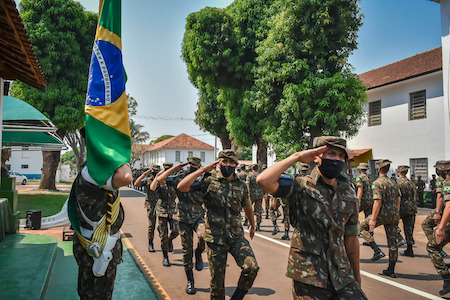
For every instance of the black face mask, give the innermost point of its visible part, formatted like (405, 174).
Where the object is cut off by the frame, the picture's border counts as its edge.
(191, 169)
(154, 173)
(331, 168)
(227, 170)
(442, 173)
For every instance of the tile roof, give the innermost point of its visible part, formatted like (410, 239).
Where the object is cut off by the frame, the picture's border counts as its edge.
(17, 58)
(355, 153)
(180, 141)
(414, 66)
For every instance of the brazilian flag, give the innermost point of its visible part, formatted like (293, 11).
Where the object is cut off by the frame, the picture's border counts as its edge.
(108, 143)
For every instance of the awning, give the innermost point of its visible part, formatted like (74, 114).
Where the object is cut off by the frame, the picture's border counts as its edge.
(31, 139)
(352, 154)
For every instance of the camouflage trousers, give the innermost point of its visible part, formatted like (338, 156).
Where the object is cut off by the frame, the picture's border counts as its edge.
(243, 254)
(391, 235)
(408, 228)
(151, 215)
(258, 210)
(276, 203)
(163, 229)
(434, 250)
(302, 291)
(90, 286)
(367, 211)
(428, 225)
(266, 200)
(187, 241)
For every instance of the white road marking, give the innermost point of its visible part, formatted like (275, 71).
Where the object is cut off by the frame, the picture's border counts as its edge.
(367, 274)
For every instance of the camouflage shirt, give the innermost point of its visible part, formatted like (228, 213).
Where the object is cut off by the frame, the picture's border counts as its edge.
(388, 191)
(241, 175)
(223, 201)
(365, 182)
(322, 217)
(190, 204)
(408, 203)
(256, 192)
(439, 186)
(152, 196)
(446, 190)
(166, 206)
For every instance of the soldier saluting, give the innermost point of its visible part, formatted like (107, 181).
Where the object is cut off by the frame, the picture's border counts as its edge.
(323, 208)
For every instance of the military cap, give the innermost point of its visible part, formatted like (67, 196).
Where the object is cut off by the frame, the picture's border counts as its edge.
(445, 165)
(363, 166)
(438, 164)
(303, 167)
(228, 153)
(382, 163)
(264, 166)
(332, 141)
(402, 168)
(157, 168)
(167, 165)
(253, 165)
(194, 161)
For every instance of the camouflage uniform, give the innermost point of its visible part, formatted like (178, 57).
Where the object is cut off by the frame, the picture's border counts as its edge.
(93, 201)
(224, 233)
(387, 190)
(166, 211)
(408, 207)
(256, 194)
(277, 202)
(366, 204)
(150, 205)
(191, 218)
(434, 249)
(428, 224)
(322, 217)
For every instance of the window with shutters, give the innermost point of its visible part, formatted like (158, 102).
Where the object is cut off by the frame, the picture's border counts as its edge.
(190, 153)
(202, 156)
(418, 105)
(375, 113)
(177, 156)
(419, 166)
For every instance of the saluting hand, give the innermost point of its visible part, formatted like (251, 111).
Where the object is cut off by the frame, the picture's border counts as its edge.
(180, 166)
(208, 168)
(307, 156)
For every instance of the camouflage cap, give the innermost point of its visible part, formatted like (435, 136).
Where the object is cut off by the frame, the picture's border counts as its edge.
(303, 167)
(167, 165)
(445, 165)
(363, 166)
(402, 168)
(228, 153)
(195, 161)
(157, 168)
(253, 165)
(332, 141)
(438, 164)
(264, 166)
(382, 163)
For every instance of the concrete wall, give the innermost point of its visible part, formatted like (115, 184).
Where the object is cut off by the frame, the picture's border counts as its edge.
(445, 37)
(19, 161)
(398, 138)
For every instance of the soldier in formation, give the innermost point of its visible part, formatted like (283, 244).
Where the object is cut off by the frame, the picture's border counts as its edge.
(332, 271)
(364, 190)
(224, 196)
(191, 217)
(166, 212)
(408, 208)
(442, 234)
(256, 194)
(145, 180)
(385, 211)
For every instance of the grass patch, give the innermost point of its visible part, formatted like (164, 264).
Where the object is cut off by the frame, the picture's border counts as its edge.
(33, 181)
(48, 204)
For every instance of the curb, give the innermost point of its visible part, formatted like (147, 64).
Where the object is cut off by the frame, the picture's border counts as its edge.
(151, 279)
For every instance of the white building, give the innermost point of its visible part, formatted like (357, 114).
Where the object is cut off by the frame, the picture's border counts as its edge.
(407, 116)
(175, 150)
(27, 161)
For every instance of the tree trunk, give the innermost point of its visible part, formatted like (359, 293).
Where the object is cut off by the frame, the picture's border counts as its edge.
(226, 142)
(49, 166)
(78, 145)
(261, 152)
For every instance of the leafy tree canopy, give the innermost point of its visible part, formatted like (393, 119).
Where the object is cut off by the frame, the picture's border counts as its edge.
(160, 139)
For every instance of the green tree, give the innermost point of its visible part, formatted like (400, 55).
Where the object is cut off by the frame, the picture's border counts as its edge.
(138, 136)
(161, 138)
(68, 158)
(132, 106)
(303, 74)
(62, 34)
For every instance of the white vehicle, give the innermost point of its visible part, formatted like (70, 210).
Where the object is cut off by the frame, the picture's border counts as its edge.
(19, 177)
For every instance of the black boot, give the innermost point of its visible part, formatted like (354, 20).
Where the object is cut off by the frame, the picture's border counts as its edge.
(286, 235)
(150, 246)
(198, 260)
(408, 252)
(443, 253)
(275, 228)
(446, 287)
(170, 245)
(258, 228)
(166, 262)
(190, 288)
(267, 214)
(401, 241)
(390, 270)
(238, 294)
(377, 253)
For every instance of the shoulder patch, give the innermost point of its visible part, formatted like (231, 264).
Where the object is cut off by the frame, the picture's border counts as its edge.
(447, 188)
(438, 183)
(358, 179)
(373, 186)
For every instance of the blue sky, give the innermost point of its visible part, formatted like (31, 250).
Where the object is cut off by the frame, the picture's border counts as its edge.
(152, 32)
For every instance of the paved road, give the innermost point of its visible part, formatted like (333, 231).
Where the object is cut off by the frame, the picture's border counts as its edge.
(417, 276)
